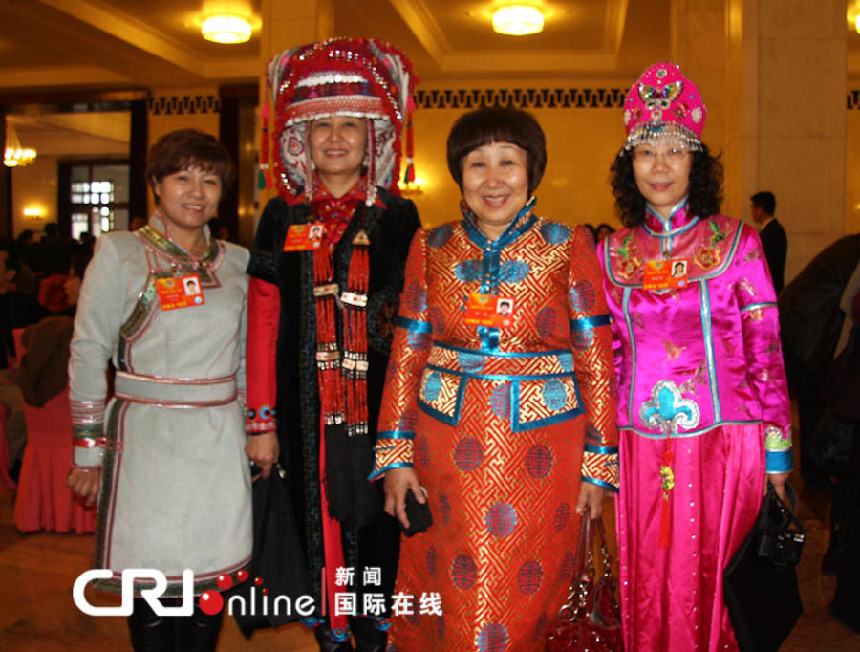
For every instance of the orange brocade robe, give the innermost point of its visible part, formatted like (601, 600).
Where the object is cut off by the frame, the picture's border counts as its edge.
(501, 425)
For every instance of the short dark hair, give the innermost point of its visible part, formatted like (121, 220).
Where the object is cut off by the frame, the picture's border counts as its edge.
(79, 264)
(189, 148)
(494, 124)
(704, 197)
(766, 200)
(12, 259)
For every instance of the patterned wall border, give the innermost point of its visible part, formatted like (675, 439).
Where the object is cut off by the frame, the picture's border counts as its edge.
(197, 104)
(528, 98)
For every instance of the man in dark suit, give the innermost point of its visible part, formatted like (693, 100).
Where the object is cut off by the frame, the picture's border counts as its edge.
(773, 240)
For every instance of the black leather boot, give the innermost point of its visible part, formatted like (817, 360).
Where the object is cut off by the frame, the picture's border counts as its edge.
(199, 632)
(149, 632)
(367, 637)
(322, 632)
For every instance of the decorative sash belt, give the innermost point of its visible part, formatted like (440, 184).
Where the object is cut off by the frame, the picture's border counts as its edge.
(175, 392)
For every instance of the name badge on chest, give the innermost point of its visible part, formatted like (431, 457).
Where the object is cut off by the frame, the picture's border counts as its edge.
(177, 292)
(489, 310)
(304, 237)
(669, 274)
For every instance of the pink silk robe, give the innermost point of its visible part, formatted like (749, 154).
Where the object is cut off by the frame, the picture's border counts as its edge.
(703, 363)
(501, 426)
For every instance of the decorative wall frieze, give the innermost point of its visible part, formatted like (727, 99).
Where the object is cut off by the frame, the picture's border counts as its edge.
(192, 105)
(522, 98)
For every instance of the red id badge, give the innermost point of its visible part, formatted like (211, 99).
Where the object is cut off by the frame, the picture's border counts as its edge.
(304, 237)
(177, 292)
(489, 310)
(669, 274)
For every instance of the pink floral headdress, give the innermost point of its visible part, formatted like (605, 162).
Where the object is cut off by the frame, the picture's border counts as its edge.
(661, 98)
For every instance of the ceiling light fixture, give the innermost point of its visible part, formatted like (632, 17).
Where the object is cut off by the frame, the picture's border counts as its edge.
(15, 155)
(517, 20)
(223, 28)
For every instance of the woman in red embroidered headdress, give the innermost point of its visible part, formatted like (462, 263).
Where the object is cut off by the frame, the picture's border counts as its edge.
(326, 270)
(702, 401)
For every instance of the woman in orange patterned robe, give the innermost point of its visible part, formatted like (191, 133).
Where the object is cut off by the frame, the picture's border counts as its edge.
(497, 403)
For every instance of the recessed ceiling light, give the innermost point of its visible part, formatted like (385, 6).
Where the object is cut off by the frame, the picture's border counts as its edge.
(517, 20)
(226, 29)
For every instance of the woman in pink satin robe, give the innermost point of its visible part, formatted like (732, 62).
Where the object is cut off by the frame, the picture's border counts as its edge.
(703, 411)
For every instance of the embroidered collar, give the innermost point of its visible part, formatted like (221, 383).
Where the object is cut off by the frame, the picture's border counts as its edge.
(320, 194)
(155, 237)
(522, 221)
(679, 220)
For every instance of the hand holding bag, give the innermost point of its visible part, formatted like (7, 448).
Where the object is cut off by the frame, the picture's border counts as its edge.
(760, 583)
(591, 619)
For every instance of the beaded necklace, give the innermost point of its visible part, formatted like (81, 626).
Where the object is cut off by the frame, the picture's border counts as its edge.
(342, 376)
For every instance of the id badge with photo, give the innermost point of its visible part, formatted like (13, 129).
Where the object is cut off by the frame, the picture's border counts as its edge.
(668, 274)
(176, 292)
(489, 310)
(304, 237)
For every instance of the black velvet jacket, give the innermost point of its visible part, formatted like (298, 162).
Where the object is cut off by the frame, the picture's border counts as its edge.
(390, 231)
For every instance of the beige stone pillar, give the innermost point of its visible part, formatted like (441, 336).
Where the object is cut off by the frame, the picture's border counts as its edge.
(795, 69)
(773, 74)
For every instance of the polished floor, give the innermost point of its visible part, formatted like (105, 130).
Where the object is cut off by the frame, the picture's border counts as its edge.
(37, 613)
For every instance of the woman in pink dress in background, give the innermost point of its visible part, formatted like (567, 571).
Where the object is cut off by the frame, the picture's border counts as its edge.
(703, 411)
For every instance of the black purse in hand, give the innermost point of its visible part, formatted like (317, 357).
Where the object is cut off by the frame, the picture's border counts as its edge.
(760, 583)
(419, 514)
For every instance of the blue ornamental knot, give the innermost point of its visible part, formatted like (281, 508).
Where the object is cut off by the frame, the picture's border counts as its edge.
(668, 410)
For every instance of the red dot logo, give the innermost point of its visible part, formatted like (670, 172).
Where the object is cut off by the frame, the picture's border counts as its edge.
(211, 603)
(242, 575)
(224, 582)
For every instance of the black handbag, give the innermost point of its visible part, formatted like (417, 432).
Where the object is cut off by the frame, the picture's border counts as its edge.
(760, 583)
(277, 559)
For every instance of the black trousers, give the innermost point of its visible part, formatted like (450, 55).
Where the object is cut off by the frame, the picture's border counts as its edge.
(846, 506)
(153, 633)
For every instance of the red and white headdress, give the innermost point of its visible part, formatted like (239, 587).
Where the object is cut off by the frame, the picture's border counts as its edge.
(354, 77)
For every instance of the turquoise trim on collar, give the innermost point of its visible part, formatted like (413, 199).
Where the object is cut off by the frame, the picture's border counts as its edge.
(666, 221)
(511, 233)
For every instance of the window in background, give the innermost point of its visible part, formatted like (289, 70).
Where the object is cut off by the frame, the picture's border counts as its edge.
(98, 196)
